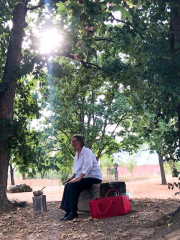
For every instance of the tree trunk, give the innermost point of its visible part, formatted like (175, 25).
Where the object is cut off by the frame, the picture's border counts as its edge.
(8, 84)
(23, 176)
(42, 174)
(12, 175)
(4, 163)
(163, 177)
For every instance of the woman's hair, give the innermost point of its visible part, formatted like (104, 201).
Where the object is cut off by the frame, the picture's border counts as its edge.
(80, 138)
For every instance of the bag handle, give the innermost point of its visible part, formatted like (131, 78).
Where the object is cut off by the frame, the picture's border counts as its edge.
(112, 190)
(100, 213)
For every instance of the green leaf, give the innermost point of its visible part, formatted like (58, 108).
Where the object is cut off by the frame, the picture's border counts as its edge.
(62, 8)
(74, 21)
(115, 8)
(72, 4)
(125, 14)
(100, 18)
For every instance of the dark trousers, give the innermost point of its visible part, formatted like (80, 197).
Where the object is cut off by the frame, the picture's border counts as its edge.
(72, 191)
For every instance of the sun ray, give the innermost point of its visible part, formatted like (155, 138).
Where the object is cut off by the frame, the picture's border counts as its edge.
(49, 40)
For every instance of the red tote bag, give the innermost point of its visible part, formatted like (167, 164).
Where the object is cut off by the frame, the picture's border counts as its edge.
(110, 206)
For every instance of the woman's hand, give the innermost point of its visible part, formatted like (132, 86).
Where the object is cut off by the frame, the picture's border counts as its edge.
(69, 179)
(76, 180)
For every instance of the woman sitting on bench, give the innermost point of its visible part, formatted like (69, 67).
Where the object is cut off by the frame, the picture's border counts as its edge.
(86, 173)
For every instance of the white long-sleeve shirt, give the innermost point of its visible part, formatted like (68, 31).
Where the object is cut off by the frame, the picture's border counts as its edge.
(87, 164)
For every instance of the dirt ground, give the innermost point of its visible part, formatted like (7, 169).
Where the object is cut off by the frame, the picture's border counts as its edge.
(151, 204)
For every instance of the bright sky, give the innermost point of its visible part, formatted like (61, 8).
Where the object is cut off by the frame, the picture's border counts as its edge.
(143, 156)
(49, 40)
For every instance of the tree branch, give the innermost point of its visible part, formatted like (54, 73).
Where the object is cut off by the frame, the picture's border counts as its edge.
(87, 65)
(36, 7)
(115, 19)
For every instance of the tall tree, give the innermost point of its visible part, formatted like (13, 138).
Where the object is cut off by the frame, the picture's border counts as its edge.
(11, 52)
(175, 41)
(89, 106)
(8, 85)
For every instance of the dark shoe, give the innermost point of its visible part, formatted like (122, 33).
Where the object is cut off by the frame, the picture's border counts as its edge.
(66, 214)
(71, 216)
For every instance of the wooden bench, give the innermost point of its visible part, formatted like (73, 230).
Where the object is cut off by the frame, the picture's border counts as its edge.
(97, 191)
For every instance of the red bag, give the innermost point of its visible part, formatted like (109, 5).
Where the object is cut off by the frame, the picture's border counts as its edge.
(110, 206)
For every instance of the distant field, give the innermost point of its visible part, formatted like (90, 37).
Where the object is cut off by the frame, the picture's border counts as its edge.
(148, 188)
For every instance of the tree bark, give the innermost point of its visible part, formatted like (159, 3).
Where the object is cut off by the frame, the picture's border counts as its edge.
(23, 176)
(163, 177)
(42, 174)
(4, 162)
(12, 175)
(9, 80)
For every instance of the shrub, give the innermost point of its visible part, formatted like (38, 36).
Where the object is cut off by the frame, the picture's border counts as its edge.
(177, 185)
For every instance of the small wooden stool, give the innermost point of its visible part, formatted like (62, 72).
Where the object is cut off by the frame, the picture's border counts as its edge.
(39, 204)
